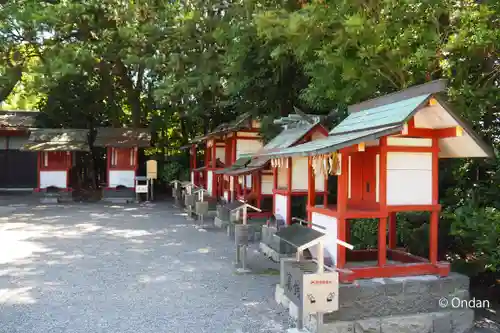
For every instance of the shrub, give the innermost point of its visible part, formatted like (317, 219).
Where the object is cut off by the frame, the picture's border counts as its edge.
(478, 230)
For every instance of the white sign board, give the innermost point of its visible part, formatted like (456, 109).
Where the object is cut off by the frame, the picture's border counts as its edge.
(141, 189)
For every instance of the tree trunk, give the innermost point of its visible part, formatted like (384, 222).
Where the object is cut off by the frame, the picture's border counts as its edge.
(14, 75)
(108, 93)
(133, 95)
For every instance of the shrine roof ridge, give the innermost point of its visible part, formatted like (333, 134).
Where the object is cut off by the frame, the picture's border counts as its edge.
(433, 87)
(122, 137)
(57, 139)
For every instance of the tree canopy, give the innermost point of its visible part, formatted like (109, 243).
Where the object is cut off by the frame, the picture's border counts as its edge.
(183, 67)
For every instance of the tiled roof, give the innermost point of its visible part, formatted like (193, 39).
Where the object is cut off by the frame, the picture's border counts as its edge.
(57, 139)
(17, 119)
(239, 163)
(288, 137)
(334, 142)
(122, 137)
(385, 115)
(241, 122)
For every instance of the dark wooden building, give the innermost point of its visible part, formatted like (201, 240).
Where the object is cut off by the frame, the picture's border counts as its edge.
(18, 168)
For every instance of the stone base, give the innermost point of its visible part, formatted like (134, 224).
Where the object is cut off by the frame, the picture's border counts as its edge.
(220, 223)
(296, 330)
(397, 305)
(272, 253)
(54, 197)
(119, 196)
(206, 218)
(453, 321)
(254, 232)
(118, 200)
(6, 211)
(49, 200)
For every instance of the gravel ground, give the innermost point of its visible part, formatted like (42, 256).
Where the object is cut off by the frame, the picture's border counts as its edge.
(96, 268)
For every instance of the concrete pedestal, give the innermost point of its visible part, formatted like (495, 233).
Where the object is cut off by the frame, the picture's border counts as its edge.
(119, 195)
(254, 231)
(397, 305)
(272, 254)
(218, 223)
(6, 211)
(54, 197)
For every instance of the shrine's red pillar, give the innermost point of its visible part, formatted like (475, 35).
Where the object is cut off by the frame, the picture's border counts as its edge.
(382, 227)
(325, 191)
(275, 187)
(392, 231)
(342, 185)
(289, 194)
(258, 186)
(310, 188)
(434, 221)
(207, 166)
(214, 166)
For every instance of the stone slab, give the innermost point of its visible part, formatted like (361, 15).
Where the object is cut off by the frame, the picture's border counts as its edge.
(433, 322)
(254, 232)
(296, 330)
(271, 253)
(408, 296)
(120, 193)
(49, 200)
(117, 200)
(5, 211)
(397, 296)
(280, 298)
(220, 223)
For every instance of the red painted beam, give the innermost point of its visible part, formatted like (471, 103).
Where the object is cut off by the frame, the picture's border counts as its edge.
(441, 269)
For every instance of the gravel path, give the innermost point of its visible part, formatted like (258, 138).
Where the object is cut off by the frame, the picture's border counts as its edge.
(96, 268)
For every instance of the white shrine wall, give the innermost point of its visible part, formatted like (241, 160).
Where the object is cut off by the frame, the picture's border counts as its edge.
(53, 178)
(121, 178)
(409, 178)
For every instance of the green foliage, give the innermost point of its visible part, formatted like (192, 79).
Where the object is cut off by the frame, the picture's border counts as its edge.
(479, 230)
(182, 68)
(364, 233)
(174, 169)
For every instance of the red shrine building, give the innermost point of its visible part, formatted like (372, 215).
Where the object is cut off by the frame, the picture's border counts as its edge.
(56, 149)
(122, 157)
(385, 156)
(222, 148)
(280, 182)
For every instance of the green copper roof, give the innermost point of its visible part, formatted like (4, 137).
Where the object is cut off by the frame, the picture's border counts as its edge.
(334, 142)
(239, 163)
(285, 139)
(289, 136)
(385, 115)
(242, 171)
(364, 125)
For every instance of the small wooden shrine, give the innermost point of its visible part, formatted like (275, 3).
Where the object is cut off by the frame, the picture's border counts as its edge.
(122, 156)
(56, 150)
(261, 179)
(223, 147)
(386, 158)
